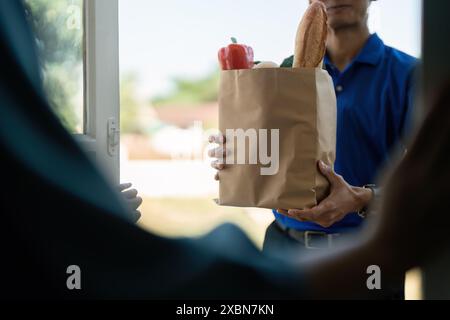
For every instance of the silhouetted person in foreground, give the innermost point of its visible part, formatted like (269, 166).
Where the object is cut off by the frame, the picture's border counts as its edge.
(57, 210)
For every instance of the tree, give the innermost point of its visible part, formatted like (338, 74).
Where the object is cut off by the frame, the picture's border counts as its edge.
(59, 38)
(129, 106)
(188, 91)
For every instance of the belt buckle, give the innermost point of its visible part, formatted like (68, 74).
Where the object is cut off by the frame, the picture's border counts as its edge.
(308, 235)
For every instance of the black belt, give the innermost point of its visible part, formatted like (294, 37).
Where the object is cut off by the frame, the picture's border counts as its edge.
(312, 240)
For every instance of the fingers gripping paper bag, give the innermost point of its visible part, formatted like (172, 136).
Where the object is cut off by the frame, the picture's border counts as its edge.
(278, 123)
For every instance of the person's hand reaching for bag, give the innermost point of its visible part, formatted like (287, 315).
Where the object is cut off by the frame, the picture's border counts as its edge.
(132, 200)
(218, 153)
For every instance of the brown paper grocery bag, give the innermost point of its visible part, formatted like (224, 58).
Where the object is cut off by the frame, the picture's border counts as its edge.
(301, 105)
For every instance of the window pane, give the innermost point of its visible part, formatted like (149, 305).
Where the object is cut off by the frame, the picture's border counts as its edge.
(58, 26)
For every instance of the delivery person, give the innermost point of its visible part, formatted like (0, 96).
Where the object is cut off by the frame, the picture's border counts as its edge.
(373, 84)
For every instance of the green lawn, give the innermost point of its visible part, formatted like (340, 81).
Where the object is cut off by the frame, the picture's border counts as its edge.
(175, 217)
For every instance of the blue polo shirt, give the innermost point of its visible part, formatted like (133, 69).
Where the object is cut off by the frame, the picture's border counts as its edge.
(374, 104)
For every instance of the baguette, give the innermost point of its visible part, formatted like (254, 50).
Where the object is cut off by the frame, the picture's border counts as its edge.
(310, 46)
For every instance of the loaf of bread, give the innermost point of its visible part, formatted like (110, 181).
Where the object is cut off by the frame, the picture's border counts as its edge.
(310, 45)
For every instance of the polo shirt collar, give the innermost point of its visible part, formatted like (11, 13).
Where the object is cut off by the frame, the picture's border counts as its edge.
(371, 53)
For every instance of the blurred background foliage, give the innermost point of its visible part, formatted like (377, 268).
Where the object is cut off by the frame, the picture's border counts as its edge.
(129, 104)
(191, 91)
(57, 25)
(58, 28)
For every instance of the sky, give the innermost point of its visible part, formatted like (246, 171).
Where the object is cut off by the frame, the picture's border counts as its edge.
(161, 40)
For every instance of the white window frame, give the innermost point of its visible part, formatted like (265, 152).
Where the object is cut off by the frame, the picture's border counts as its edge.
(101, 92)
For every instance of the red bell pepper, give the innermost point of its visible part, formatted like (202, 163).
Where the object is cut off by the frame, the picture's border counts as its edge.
(236, 56)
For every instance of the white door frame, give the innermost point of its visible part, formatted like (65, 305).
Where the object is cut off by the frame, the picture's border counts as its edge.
(101, 93)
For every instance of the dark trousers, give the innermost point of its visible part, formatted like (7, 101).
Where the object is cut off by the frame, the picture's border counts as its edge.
(278, 241)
